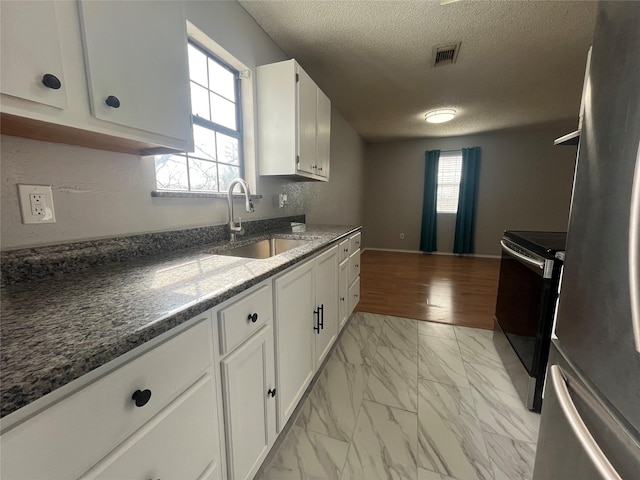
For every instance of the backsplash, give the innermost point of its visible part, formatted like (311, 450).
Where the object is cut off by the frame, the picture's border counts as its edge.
(43, 262)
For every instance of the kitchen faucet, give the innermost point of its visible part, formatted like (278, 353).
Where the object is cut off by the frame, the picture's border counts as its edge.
(233, 228)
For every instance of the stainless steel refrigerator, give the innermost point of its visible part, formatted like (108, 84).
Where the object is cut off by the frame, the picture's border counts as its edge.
(590, 425)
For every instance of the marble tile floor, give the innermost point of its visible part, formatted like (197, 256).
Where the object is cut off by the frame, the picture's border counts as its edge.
(406, 399)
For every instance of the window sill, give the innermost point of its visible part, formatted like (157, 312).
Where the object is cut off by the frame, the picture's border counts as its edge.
(177, 194)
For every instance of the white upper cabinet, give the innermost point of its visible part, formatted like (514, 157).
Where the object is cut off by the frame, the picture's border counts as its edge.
(323, 136)
(136, 63)
(294, 123)
(27, 72)
(121, 68)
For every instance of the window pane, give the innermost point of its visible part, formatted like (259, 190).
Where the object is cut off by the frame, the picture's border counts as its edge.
(228, 149)
(202, 174)
(171, 172)
(448, 198)
(221, 80)
(227, 174)
(449, 173)
(205, 142)
(197, 65)
(199, 101)
(223, 112)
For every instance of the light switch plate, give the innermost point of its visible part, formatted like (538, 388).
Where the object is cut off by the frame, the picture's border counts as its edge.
(36, 204)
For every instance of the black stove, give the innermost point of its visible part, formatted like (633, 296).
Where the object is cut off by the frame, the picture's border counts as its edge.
(527, 295)
(546, 244)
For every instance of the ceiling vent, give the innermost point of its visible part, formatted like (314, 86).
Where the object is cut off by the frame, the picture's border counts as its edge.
(445, 54)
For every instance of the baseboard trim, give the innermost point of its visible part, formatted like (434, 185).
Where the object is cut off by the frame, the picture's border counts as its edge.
(431, 253)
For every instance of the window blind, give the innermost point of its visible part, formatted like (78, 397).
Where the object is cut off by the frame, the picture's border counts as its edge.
(449, 172)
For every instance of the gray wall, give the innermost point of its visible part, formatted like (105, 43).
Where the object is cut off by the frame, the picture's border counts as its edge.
(100, 194)
(524, 184)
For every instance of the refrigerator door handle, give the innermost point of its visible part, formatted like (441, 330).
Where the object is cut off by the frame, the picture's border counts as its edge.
(590, 446)
(634, 254)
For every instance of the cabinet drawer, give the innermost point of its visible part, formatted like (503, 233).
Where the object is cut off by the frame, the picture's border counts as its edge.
(177, 443)
(354, 295)
(344, 249)
(356, 240)
(72, 435)
(354, 266)
(243, 318)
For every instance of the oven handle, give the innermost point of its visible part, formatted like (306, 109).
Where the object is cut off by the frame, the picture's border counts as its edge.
(530, 261)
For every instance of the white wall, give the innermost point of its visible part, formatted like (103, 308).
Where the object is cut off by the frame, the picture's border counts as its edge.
(524, 183)
(100, 194)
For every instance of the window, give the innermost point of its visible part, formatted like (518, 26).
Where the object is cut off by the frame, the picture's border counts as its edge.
(449, 173)
(217, 130)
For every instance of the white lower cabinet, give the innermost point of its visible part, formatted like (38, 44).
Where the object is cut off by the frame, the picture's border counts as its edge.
(67, 439)
(176, 443)
(326, 328)
(249, 391)
(343, 293)
(353, 275)
(306, 319)
(294, 322)
(354, 295)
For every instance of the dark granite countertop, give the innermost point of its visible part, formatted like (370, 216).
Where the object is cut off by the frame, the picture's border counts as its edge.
(55, 330)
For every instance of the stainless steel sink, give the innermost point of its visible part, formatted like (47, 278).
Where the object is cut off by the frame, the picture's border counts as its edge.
(264, 248)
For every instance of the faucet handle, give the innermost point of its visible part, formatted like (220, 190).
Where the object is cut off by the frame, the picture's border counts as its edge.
(251, 209)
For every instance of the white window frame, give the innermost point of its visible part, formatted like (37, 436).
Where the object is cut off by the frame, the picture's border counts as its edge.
(448, 157)
(246, 101)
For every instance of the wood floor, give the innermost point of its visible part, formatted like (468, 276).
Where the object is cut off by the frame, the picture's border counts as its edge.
(439, 288)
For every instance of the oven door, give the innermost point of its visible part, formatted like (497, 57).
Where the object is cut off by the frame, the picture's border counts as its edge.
(523, 304)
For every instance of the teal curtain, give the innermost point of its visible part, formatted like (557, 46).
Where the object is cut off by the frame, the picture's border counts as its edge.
(428, 233)
(465, 220)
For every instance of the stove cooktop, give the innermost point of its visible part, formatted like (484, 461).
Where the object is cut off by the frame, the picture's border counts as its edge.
(542, 243)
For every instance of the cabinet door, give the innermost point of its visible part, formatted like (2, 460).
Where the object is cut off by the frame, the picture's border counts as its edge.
(248, 381)
(323, 137)
(30, 48)
(307, 107)
(295, 361)
(354, 295)
(354, 266)
(137, 52)
(343, 293)
(326, 302)
(179, 442)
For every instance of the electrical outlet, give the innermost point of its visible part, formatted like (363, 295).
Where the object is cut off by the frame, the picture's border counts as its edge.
(36, 204)
(402, 236)
(36, 201)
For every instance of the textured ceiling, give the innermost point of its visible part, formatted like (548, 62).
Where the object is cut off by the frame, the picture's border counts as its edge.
(520, 63)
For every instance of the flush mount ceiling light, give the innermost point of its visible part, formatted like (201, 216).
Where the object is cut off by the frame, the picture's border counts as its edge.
(440, 116)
